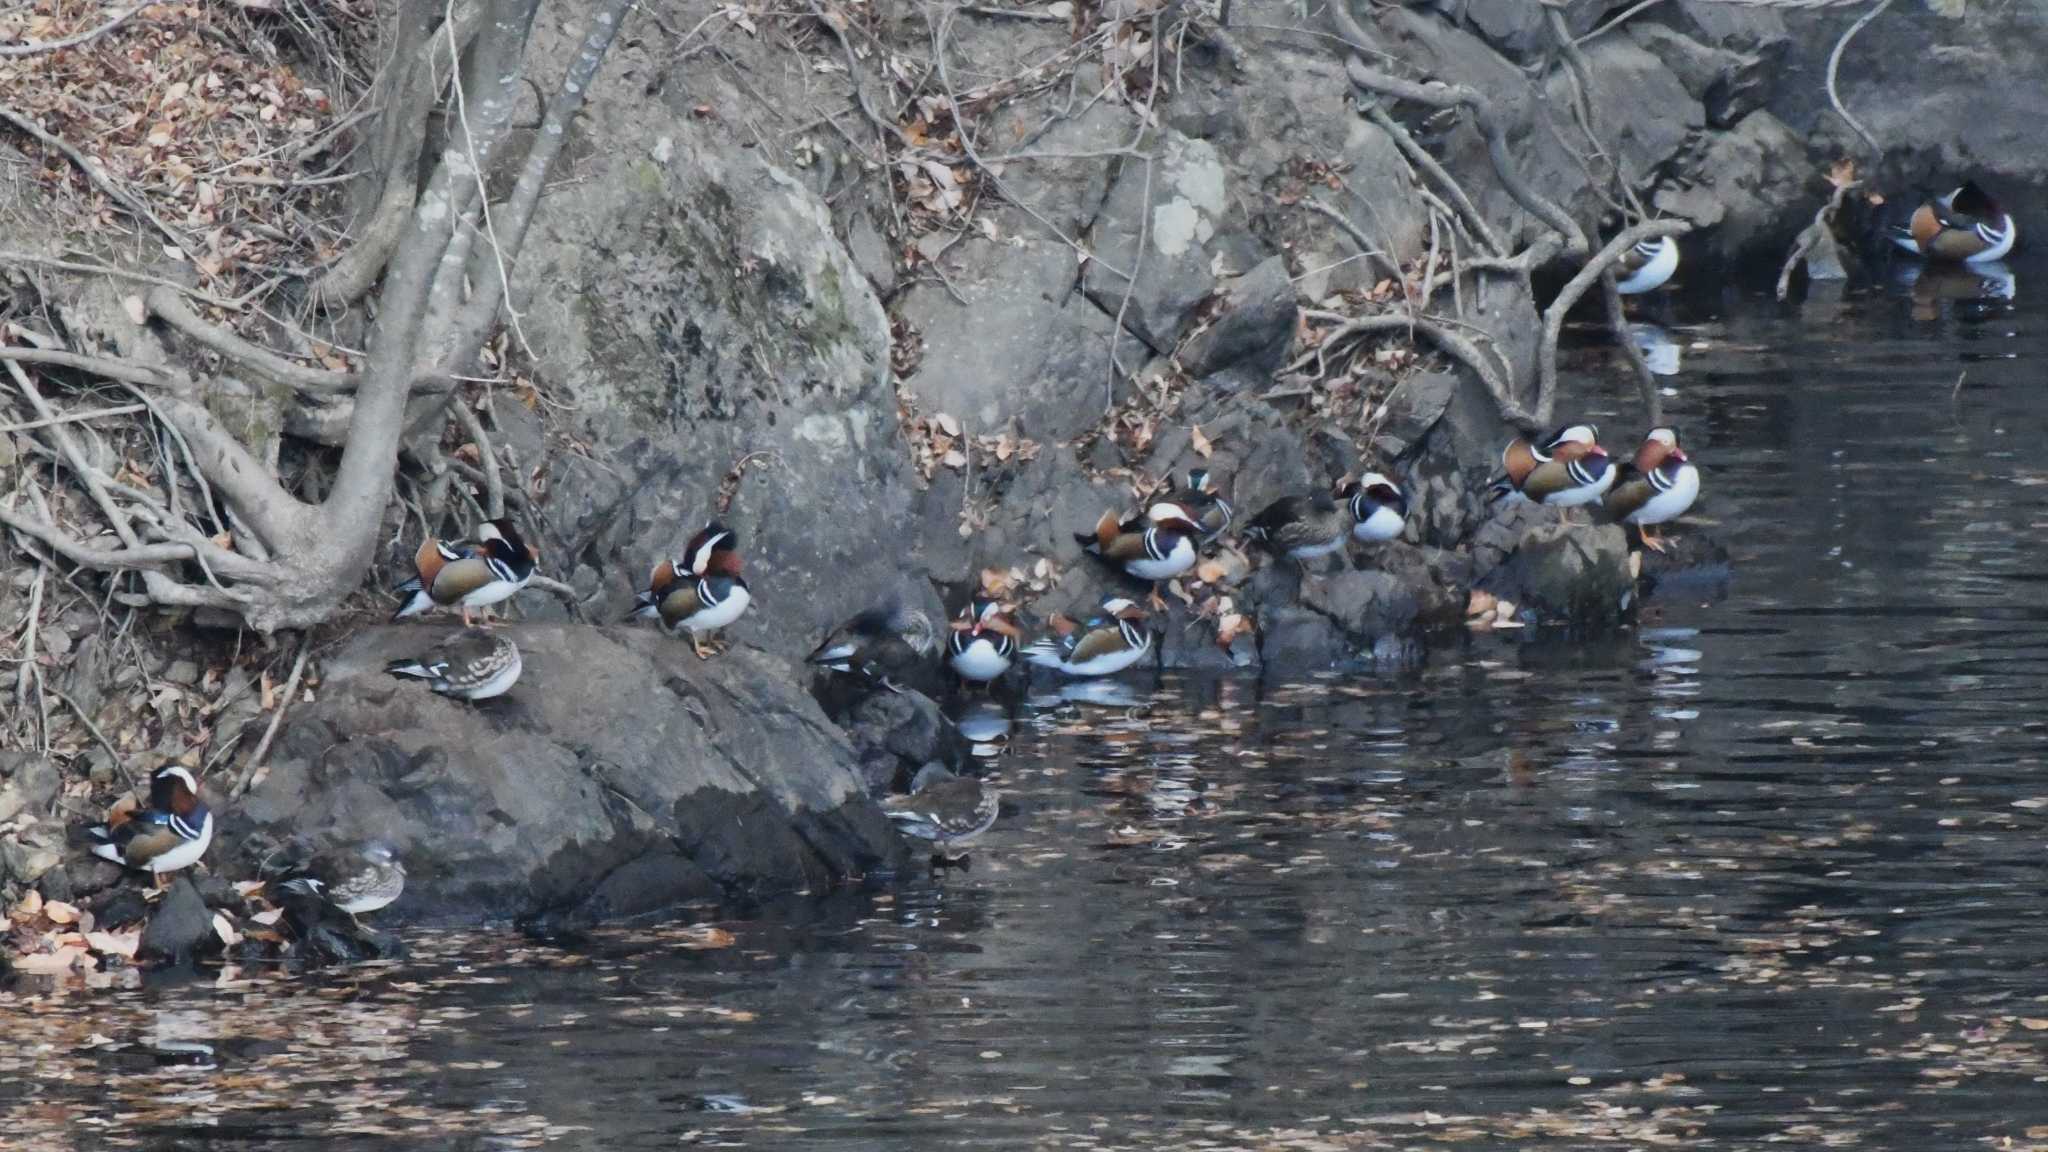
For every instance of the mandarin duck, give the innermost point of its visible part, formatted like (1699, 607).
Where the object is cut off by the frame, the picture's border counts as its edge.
(1302, 528)
(1656, 487)
(983, 643)
(1200, 496)
(1379, 508)
(1104, 646)
(950, 812)
(699, 591)
(887, 644)
(1965, 225)
(469, 574)
(1156, 547)
(470, 665)
(1568, 469)
(357, 881)
(1646, 266)
(168, 834)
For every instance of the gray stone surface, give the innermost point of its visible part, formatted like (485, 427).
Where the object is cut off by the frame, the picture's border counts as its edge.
(1562, 572)
(618, 749)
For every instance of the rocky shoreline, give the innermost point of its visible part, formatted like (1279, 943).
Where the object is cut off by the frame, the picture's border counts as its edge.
(912, 378)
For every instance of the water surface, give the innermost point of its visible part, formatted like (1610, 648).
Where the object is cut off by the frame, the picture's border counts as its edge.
(1762, 870)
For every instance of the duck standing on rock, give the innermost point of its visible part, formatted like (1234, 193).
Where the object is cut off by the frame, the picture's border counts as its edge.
(888, 644)
(1103, 646)
(1302, 528)
(1201, 497)
(951, 812)
(471, 665)
(1568, 469)
(469, 575)
(366, 879)
(1656, 487)
(170, 834)
(700, 591)
(1157, 547)
(983, 643)
(1966, 225)
(1646, 266)
(1379, 508)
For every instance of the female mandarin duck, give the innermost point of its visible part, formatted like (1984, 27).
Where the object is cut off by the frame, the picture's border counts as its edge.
(1379, 508)
(1655, 488)
(170, 833)
(949, 811)
(1302, 528)
(1103, 646)
(357, 881)
(468, 575)
(1965, 225)
(1157, 547)
(470, 665)
(699, 591)
(1568, 469)
(983, 643)
(1646, 266)
(888, 644)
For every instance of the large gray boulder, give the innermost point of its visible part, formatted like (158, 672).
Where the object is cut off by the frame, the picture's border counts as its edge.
(620, 775)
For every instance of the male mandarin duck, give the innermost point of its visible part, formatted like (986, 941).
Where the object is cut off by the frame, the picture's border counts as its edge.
(1567, 470)
(468, 575)
(1157, 547)
(1965, 225)
(888, 644)
(1656, 487)
(170, 833)
(949, 811)
(699, 591)
(357, 881)
(1379, 508)
(984, 641)
(1201, 497)
(1646, 266)
(1103, 646)
(471, 665)
(1302, 527)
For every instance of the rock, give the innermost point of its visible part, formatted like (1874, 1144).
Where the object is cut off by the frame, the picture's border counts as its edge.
(1742, 27)
(703, 312)
(179, 928)
(617, 747)
(1250, 334)
(27, 854)
(1567, 573)
(1188, 238)
(1295, 638)
(122, 906)
(1516, 28)
(895, 733)
(1752, 189)
(1730, 85)
(864, 243)
(1447, 468)
(1643, 112)
(30, 784)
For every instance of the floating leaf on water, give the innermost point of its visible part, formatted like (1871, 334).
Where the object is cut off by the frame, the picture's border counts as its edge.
(2031, 803)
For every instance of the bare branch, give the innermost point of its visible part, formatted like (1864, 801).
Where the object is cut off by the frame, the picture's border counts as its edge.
(1646, 381)
(413, 95)
(7, 257)
(251, 770)
(1357, 234)
(256, 360)
(1498, 379)
(1553, 317)
(494, 484)
(1835, 64)
(1427, 164)
(511, 224)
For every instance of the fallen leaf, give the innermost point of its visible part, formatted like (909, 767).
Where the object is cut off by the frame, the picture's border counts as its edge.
(136, 310)
(1481, 604)
(30, 907)
(947, 424)
(1199, 442)
(268, 916)
(58, 912)
(956, 460)
(2034, 1024)
(121, 944)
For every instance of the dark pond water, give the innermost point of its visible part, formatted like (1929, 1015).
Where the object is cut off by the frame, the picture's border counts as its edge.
(1764, 870)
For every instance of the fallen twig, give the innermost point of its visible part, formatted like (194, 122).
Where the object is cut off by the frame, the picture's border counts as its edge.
(74, 417)
(87, 37)
(1498, 379)
(113, 753)
(254, 767)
